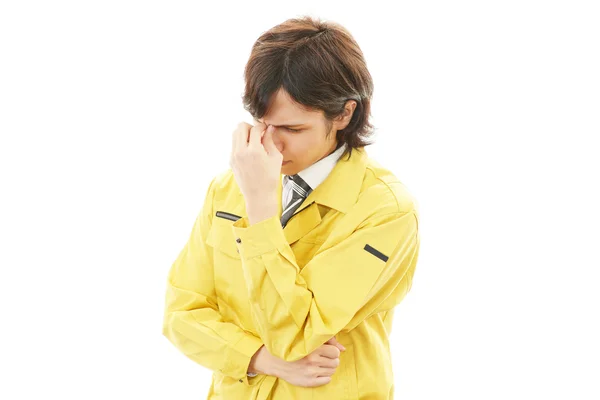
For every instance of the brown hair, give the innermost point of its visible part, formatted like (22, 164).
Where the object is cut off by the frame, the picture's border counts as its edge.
(321, 67)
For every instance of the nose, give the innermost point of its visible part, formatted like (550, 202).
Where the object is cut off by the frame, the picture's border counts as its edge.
(277, 140)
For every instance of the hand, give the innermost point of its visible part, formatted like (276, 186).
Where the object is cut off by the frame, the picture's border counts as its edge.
(316, 368)
(311, 371)
(256, 162)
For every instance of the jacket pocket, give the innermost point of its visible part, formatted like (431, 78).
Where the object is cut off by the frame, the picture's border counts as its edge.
(227, 266)
(220, 236)
(226, 215)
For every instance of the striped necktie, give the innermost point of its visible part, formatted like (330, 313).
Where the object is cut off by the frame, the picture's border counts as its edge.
(300, 190)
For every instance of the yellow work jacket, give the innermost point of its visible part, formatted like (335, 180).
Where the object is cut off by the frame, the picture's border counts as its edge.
(339, 267)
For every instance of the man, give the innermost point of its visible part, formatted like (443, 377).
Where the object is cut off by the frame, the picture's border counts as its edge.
(287, 284)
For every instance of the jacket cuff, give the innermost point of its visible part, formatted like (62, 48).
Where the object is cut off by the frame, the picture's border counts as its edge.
(260, 238)
(237, 358)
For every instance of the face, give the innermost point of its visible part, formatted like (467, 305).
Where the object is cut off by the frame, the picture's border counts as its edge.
(300, 135)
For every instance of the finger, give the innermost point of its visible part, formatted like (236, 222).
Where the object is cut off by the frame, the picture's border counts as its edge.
(326, 372)
(240, 137)
(339, 345)
(256, 134)
(333, 341)
(321, 380)
(325, 362)
(329, 351)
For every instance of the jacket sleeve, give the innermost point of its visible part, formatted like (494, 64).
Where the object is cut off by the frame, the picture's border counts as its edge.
(367, 271)
(192, 321)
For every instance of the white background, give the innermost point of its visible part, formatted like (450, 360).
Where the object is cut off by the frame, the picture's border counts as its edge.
(115, 116)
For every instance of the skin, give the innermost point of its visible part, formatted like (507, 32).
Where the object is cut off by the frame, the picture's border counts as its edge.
(258, 151)
(287, 132)
(313, 370)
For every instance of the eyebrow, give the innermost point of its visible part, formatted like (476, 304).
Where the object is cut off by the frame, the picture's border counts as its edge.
(288, 126)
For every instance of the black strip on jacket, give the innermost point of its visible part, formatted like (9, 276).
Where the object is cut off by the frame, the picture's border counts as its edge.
(376, 253)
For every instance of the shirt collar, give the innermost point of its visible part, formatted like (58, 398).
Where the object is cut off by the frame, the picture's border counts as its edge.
(315, 174)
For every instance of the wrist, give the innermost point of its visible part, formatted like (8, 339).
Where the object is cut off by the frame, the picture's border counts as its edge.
(255, 362)
(261, 210)
(265, 363)
(277, 367)
(259, 363)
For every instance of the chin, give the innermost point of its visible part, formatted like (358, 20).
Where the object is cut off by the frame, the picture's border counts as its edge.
(286, 170)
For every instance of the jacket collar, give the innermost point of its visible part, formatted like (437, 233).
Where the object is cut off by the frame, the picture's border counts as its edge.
(339, 191)
(342, 186)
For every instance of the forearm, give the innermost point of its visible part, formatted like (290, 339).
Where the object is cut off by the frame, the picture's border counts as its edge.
(195, 326)
(230, 348)
(295, 311)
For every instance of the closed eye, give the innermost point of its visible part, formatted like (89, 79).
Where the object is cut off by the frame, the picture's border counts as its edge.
(293, 130)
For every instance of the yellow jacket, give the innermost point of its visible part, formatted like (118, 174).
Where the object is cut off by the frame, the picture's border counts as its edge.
(338, 268)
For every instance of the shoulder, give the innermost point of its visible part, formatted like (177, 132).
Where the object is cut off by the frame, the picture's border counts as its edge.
(223, 184)
(383, 192)
(382, 200)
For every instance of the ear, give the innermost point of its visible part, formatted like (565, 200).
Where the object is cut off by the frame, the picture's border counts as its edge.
(343, 120)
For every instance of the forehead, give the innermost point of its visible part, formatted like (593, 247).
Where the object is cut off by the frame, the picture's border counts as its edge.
(284, 111)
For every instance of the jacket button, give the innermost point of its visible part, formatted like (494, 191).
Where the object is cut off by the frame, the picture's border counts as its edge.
(241, 381)
(238, 240)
